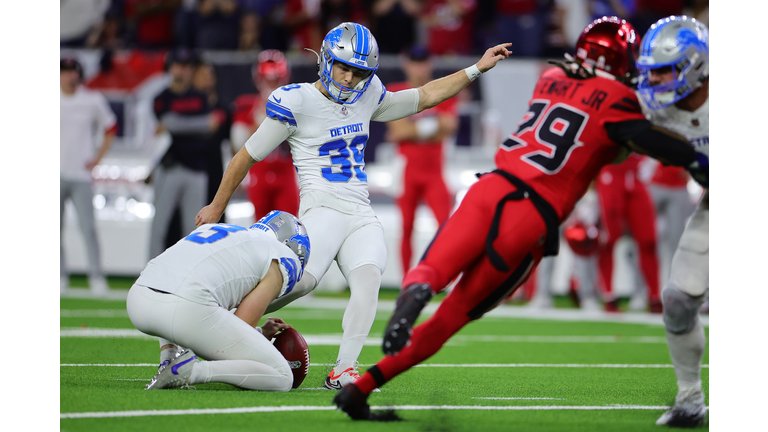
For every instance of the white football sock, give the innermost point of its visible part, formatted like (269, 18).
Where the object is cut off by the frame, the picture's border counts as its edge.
(687, 351)
(168, 353)
(364, 283)
(246, 374)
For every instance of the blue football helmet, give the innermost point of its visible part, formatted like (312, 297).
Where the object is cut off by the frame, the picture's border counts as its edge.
(354, 45)
(289, 231)
(679, 42)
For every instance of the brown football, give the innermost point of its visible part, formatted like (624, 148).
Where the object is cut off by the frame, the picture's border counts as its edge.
(293, 347)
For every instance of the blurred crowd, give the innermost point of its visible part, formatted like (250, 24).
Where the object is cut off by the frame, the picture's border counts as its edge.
(537, 28)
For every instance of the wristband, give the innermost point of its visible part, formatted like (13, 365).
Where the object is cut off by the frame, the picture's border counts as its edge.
(472, 72)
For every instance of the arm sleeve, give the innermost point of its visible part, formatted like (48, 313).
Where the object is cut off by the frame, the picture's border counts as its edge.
(185, 124)
(397, 105)
(642, 137)
(267, 137)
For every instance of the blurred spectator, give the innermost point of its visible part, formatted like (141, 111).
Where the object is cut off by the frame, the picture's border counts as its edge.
(204, 80)
(273, 33)
(523, 23)
(556, 44)
(181, 179)
(450, 26)
(272, 183)
(248, 38)
(573, 16)
(78, 18)
(621, 8)
(698, 9)
(335, 12)
(648, 12)
(109, 34)
(302, 21)
(217, 25)
(420, 140)
(150, 23)
(393, 22)
(85, 119)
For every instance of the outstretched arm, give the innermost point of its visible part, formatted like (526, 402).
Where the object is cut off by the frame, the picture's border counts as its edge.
(446, 87)
(233, 176)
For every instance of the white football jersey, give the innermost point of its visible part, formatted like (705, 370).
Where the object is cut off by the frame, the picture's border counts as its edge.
(328, 139)
(692, 125)
(221, 263)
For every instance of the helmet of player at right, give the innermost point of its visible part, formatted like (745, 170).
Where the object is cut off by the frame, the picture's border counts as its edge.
(609, 44)
(354, 45)
(270, 71)
(682, 44)
(288, 231)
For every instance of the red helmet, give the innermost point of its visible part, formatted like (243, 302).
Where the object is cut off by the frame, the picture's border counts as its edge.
(609, 44)
(581, 239)
(271, 65)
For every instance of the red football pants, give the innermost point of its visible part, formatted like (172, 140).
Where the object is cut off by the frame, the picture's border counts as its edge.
(417, 186)
(458, 247)
(273, 186)
(625, 201)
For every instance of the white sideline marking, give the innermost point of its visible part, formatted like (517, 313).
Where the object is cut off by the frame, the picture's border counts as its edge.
(439, 365)
(262, 409)
(335, 339)
(517, 398)
(93, 313)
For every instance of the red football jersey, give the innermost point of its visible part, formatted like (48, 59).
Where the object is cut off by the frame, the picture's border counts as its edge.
(424, 155)
(562, 142)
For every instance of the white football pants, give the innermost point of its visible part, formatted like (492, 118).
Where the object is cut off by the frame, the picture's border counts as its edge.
(237, 354)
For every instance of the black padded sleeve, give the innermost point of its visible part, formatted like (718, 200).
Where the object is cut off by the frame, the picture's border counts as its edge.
(642, 137)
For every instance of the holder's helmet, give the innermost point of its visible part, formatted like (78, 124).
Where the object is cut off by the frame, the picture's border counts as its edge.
(289, 231)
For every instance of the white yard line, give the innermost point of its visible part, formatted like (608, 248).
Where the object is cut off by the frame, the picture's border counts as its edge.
(437, 365)
(517, 398)
(263, 409)
(335, 339)
(314, 304)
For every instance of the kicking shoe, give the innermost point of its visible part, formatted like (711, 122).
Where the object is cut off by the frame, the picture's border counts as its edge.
(689, 410)
(176, 374)
(337, 382)
(407, 309)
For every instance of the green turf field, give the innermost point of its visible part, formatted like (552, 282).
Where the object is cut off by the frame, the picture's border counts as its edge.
(501, 373)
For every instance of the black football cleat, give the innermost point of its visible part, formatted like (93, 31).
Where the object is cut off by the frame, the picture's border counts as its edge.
(353, 402)
(407, 309)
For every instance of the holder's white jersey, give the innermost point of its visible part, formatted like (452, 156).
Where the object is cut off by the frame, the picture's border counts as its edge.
(219, 264)
(328, 139)
(692, 125)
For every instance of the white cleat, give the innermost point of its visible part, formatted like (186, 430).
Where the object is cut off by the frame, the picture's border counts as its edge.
(689, 410)
(638, 303)
(540, 302)
(176, 374)
(98, 286)
(589, 304)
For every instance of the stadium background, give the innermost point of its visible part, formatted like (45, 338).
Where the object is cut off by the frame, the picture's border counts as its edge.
(122, 52)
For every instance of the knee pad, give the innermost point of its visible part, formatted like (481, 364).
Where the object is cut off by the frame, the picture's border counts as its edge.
(680, 309)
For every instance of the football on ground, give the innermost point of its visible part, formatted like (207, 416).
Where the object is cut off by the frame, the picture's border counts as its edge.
(293, 347)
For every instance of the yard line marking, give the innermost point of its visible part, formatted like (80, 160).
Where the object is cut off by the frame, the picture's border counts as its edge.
(335, 339)
(438, 365)
(502, 311)
(262, 409)
(136, 379)
(517, 398)
(93, 313)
